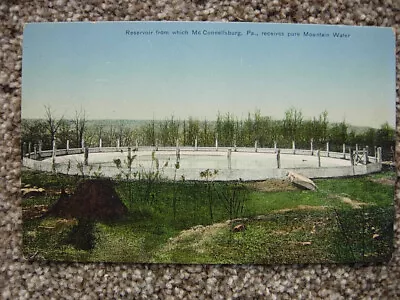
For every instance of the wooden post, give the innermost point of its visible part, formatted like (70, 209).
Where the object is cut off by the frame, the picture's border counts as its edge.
(278, 158)
(312, 146)
(327, 149)
(216, 144)
(357, 150)
(54, 148)
(351, 156)
(344, 151)
(379, 155)
(100, 143)
(376, 153)
(365, 156)
(86, 157)
(40, 149)
(54, 155)
(229, 158)
(29, 149)
(67, 146)
(195, 144)
(255, 146)
(319, 158)
(294, 147)
(129, 153)
(35, 151)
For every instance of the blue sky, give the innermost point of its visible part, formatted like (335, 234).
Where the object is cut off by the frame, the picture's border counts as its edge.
(112, 75)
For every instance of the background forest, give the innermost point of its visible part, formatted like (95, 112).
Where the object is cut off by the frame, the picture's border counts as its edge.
(228, 128)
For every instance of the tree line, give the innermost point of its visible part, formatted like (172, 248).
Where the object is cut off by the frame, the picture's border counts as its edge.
(228, 129)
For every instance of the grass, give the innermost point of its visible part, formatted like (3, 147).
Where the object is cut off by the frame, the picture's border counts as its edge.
(282, 226)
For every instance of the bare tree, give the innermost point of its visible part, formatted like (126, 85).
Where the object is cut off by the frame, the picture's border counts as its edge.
(52, 124)
(80, 126)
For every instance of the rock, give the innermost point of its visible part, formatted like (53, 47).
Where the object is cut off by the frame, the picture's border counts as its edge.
(305, 243)
(32, 192)
(301, 181)
(376, 236)
(239, 227)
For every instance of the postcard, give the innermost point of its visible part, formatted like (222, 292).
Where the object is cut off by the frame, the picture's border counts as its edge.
(207, 143)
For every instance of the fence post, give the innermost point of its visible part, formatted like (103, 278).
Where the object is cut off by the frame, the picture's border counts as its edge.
(86, 157)
(229, 158)
(40, 149)
(357, 150)
(35, 150)
(54, 148)
(312, 146)
(29, 149)
(351, 156)
(379, 154)
(67, 146)
(327, 149)
(319, 158)
(195, 144)
(294, 147)
(278, 158)
(118, 144)
(255, 146)
(344, 151)
(366, 154)
(100, 143)
(216, 144)
(129, 153)
(54, 155)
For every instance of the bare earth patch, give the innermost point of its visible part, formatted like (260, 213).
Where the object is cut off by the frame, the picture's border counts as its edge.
(300, 207)
(34, 211)
(273, 185)
(384, 181)
(199, 234)
(353, 203)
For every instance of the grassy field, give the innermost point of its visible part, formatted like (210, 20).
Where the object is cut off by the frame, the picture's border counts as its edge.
(345, 220)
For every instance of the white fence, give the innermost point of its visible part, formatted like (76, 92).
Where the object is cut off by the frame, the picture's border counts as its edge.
(358, 166)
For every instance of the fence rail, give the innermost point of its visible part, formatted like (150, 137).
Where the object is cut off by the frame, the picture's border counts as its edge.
(360, 163)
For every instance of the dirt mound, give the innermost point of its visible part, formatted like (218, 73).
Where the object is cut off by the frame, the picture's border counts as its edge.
(93, 199)
(273, 185)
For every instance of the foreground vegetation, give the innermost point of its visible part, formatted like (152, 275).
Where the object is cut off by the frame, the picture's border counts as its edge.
(345, 220)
